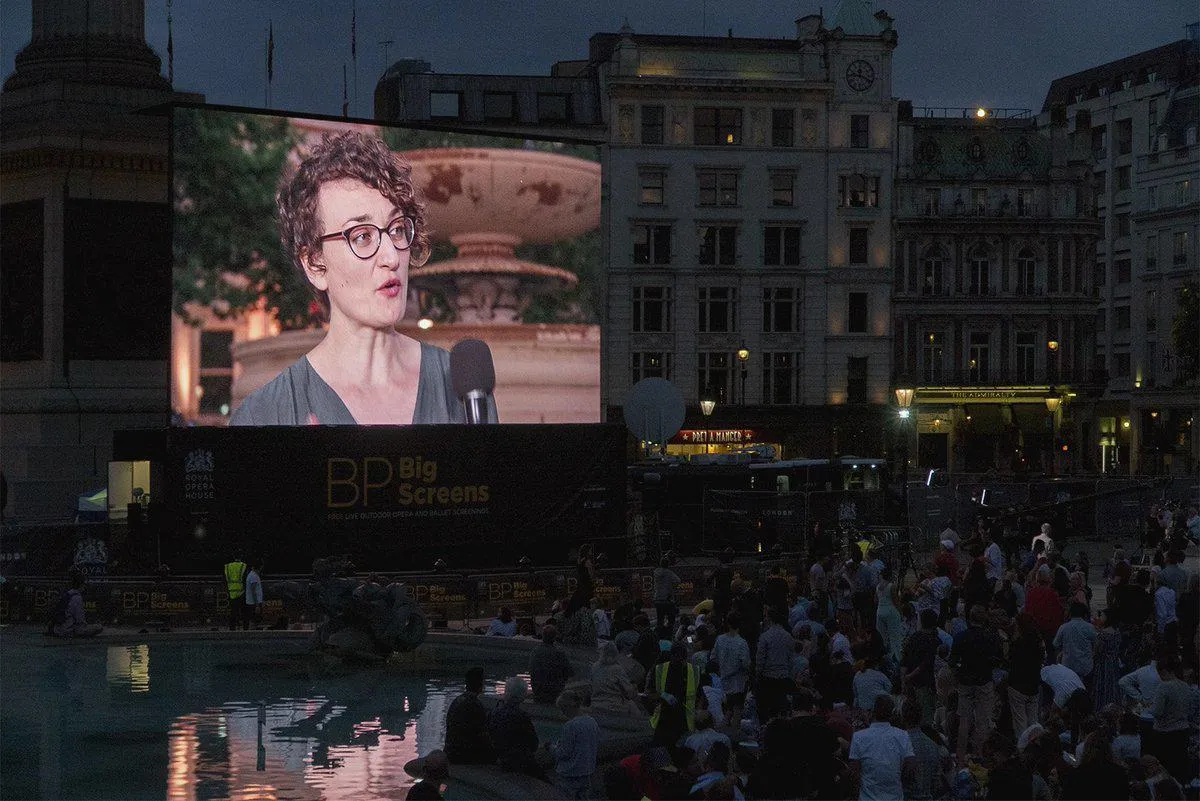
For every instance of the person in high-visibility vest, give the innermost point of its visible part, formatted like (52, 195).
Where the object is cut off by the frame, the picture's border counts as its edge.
(675, 683)
(235, 584)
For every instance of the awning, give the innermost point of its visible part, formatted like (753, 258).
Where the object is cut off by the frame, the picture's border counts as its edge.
(1031, 418)
(986, 418)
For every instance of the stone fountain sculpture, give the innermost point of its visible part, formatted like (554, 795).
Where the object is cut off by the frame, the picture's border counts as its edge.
(359, 618)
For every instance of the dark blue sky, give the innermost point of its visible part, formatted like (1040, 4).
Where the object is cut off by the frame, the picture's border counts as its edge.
(951, 52)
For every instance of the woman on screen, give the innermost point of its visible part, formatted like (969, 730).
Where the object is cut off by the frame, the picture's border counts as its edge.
(351, 220)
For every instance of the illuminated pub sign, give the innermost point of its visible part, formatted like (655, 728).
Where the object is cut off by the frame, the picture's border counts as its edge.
(713, 436)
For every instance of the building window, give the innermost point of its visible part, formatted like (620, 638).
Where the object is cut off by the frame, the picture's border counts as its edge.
(717, 244)
(1024, 202)
(652, 125)
(780, 374)
(1183, 192)
(651, 244)
(717, 126)
(1151, 311)
(781, 245)
(979, 201)
(718, 187)
(1026, 283)
(783, 188)
(975, 149)
(857, 313)
(980, 269)
(653, 186)
(445, 105)
(1121, 271)
(781, 310)
(1101, 321)
(932, 282)
(22, 252)
(860, 130)
(858, 245)
(717, 309)
(1121, 223)
(1099, 274)
(499, 106)
(783, 127)
(1151, 253)
(1120, 365)
(1121, 318)
(651, 309)
(858, 191)
(933, 356)
(978, 357)
(1122, 176)
(1026, 356)
(715, 375)
(651, 364)
(856, 380)
(932, 202)
(1100, 141)
(1124, 134)
(1152, 197)
(1181, 248)
(553, 107)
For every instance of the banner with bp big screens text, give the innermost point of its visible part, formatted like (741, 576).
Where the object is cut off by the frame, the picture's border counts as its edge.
(324, 268)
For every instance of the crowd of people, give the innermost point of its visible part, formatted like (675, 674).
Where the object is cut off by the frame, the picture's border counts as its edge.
(992, 673)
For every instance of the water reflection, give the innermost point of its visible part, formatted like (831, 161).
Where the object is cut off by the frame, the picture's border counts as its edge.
(129, 667)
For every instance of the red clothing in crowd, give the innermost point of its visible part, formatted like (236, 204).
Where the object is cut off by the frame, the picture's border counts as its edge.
(949, 560)
(1044, 606)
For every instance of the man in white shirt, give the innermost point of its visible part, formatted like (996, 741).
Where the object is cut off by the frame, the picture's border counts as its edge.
(254, 594)
(1045, 538)
(993, 557)
(1063, 682)
(880, 755)
(838, 642)
(1164, 605)
(603, 621)
(1139, 685)
(948, 533)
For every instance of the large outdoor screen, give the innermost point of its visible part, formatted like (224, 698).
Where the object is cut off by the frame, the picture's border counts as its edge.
(323, 269)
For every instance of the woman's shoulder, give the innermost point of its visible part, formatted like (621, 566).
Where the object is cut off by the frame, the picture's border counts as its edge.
(276, 402)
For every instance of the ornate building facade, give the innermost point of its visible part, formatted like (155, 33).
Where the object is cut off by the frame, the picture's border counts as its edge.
(993, 293)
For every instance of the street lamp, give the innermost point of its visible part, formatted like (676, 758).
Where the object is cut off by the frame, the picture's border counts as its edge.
(708, 402)
(1053, 402)
(743, 354)
(904, 399)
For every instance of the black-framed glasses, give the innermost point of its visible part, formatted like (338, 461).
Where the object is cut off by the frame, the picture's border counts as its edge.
(364, 239)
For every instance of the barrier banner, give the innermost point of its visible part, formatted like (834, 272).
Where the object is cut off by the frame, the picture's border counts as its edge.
(390, 498)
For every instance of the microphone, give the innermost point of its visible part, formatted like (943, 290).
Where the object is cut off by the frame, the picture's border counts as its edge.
(474, 377)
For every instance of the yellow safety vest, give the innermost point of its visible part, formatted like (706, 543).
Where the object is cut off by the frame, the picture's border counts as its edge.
(235, 579)
(689, 699)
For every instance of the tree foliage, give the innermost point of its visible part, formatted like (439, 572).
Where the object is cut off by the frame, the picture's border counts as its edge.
(226, 245)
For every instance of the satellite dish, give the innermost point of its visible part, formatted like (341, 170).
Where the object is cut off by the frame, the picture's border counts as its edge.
(654, 410)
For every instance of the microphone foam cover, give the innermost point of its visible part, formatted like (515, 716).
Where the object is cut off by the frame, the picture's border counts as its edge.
(471, 367)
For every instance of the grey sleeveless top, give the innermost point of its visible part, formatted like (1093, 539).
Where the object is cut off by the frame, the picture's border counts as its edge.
(298, 394)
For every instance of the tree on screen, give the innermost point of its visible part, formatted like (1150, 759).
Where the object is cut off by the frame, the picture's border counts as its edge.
(226, 249)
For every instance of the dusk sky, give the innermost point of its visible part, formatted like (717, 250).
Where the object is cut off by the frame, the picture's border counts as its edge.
(950, 53)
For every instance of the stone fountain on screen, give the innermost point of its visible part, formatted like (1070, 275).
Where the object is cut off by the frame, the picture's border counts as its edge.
(487, 202)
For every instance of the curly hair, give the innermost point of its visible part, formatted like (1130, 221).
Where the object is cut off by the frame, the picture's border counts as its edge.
(357, 156)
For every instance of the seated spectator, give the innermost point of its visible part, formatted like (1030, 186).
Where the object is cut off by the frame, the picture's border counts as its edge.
(612, 691)
(576, 748)
(1008, 775)
(511, 730)
(705, 735)
(716, 764)
(633, 668)
(1097, 777)
(579, 627)
(549, 668)
(1127, 745)
(434, 770)
(503, 624)
(68, 620)
(645, 645)
(467, 740)
(651, 775)
(869, 684)
(603, 621)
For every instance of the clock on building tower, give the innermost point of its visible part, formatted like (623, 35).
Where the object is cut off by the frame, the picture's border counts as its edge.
(860, 75)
